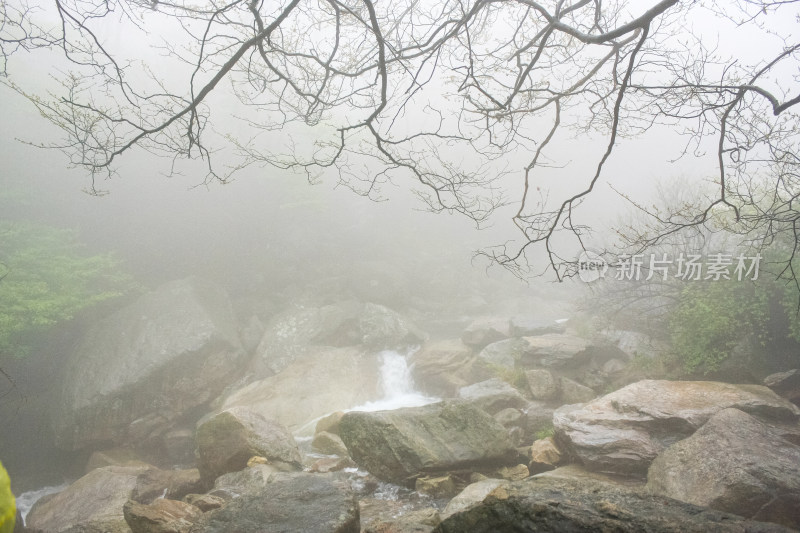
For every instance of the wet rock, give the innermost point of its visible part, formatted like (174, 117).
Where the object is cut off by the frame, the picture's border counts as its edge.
(509, 417)
(513, 473)
(140, 369)
(329, 423)
(329, 444)
(556, 351)
(484, 331)
(785, 384)
(173, 484)
(624, 431)
(332, 464)
(443, 367)
(538, 417)
(562, 504)
(310, 387)
(251, 479)
(574, 392)
(92, 503)
(473, 494)
(226, 441)
(436, 487)
(542, 384)
(493, 395)
(161, 516)
(733, 463)
(205, 502)
(403, 444)
(544, 455)
(504, 354)
(523, 326)
(291, 503)
(387, 516)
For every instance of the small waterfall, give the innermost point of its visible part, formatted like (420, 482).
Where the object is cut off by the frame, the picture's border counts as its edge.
(26, 500)
(397, 385)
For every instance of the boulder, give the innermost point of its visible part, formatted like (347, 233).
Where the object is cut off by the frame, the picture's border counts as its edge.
(227, 440)
(542, 384)
(161, 516)
(544, 455)
(624, 431)
(140, 369)
(493, 395)
(293, 333)
(472, 495)
(556, 351)
(525, 326)
(93, 502)
(504, 354)
(437, 486)
(329, 444)
(509, 417)
(443, 367)
(324, 465)
(388, 516)
(205, 502)
(400, 445)
(484, 331)
(563, 504)
(173, 484)
(733, 463)
(537, 418)
(290, 503)
(785, 384)
(513, 473)
(574, 392)
(329, 423)
(311, 387)
(250, 480)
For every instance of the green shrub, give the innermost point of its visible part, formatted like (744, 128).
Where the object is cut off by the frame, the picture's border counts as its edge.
(47, 277)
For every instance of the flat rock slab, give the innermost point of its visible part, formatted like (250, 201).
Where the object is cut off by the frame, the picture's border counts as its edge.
(733, 463)
(289, 503)
(400, 445)
(624, 431)
(573, 505)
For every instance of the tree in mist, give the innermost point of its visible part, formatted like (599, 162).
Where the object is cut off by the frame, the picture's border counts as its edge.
(467, 99)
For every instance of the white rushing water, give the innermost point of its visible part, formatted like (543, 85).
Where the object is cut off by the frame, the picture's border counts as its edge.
(26, 500)
(397, 385)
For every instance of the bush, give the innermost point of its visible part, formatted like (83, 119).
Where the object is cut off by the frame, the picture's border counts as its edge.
(47, 277)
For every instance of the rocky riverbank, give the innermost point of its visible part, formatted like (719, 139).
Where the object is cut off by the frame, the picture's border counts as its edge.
(197, 421)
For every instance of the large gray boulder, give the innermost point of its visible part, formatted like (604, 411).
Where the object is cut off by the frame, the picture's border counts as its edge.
(289, 503)
(322, 381)
(570, 505)
(624, 431)
(92, 503)
(296, 332)
(400, 445)
(493, 395)
(733, 463)
(227, 441)
(142, 368)
(557, 351)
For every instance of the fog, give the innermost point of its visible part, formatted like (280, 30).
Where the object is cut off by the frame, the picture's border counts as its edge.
(299, 299)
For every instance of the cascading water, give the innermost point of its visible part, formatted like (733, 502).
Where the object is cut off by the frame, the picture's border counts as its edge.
(397, 385)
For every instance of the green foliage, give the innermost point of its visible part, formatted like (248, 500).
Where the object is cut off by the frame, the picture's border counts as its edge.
(48, 277)
(8, 510)
(712, 319)
(545, 433)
